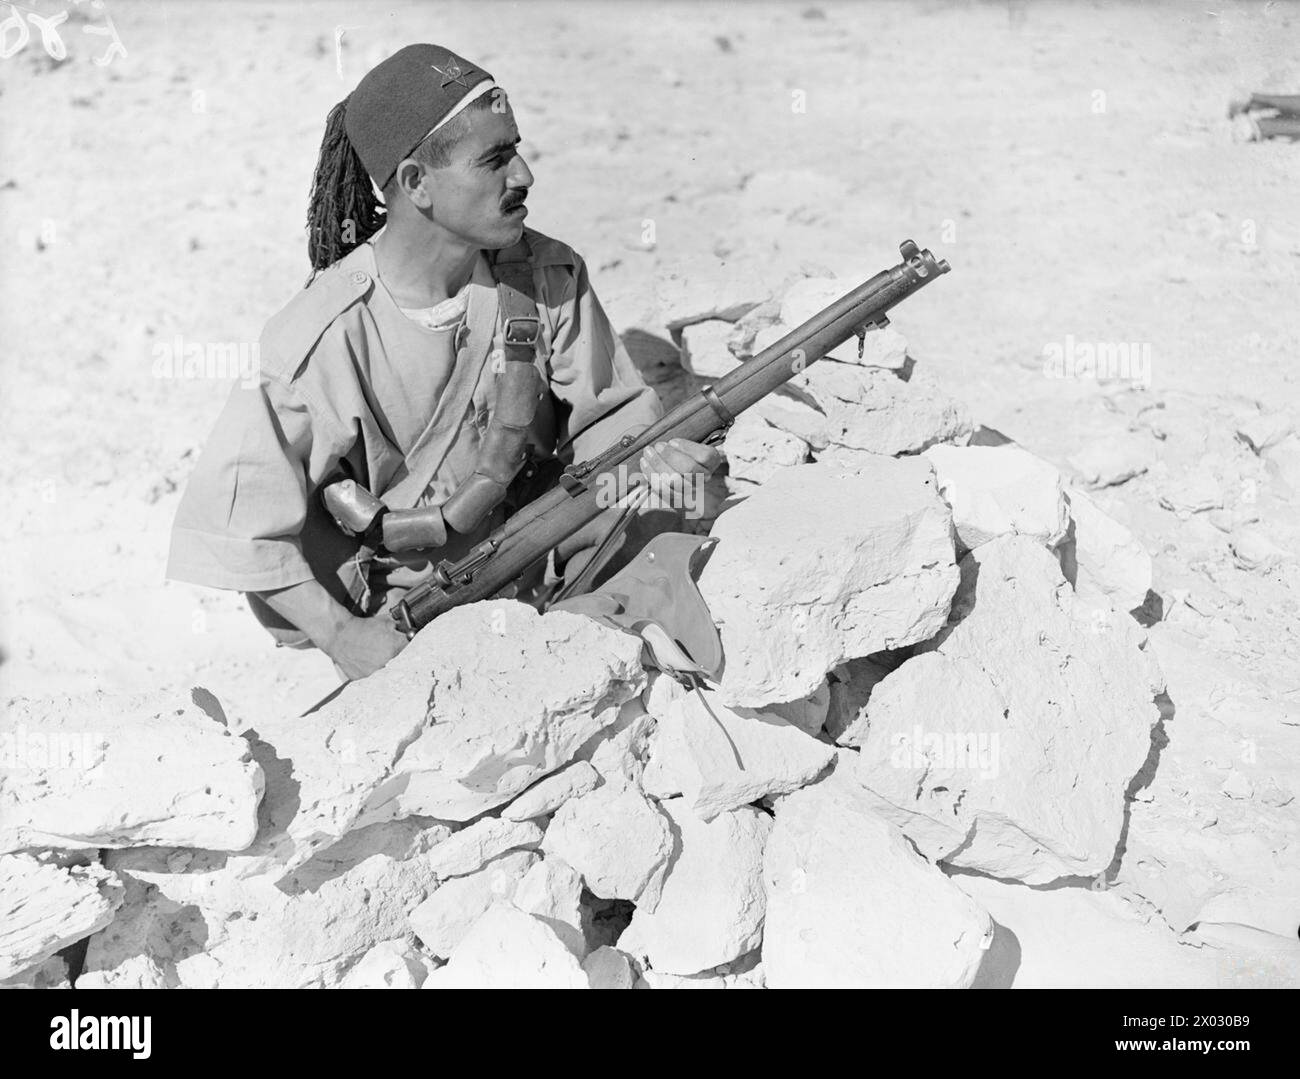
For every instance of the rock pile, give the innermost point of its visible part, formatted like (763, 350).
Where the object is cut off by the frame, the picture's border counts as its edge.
(929, 670)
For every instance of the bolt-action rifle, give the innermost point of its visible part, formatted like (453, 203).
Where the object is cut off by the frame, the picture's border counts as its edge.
(491, 566)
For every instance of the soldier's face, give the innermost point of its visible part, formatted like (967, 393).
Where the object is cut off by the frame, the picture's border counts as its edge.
(480, 195)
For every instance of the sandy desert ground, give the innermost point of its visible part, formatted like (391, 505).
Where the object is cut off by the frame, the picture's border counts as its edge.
(1074, 163)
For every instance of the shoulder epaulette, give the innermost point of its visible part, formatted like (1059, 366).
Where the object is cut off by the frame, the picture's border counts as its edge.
(293, 331)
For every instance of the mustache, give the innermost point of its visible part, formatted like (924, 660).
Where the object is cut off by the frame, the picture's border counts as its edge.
(511, 203)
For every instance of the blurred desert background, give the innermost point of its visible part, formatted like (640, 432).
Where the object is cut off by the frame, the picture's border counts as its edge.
(1074, 162)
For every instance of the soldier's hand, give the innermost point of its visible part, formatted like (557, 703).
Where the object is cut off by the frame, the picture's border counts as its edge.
(362, 645)
(680, 457)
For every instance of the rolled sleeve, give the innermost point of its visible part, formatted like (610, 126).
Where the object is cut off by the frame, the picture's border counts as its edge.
(238, 523)
(592, 373)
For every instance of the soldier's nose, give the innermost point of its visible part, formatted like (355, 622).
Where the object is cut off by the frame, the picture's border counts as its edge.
(520, 174)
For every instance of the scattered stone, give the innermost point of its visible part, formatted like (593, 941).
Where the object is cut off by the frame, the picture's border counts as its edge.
(1252, 550)
(870, 410)
(44, 908)
(617, 839)
(1009, 750)
(122, 770)
(822, 564)
(699, 289)
(720, 759)
(807, 713)
(473, 847)
(52, 974)
(508, 949)
(1265, 429)
(705, 352)
(1109, 461)
(512, 696)
(1101, 557)
(608, 968)
(756, 450)
(999, 490)
(390, 964)
(552, 890)
(851, 685)
(443, 919)
(323, 768)
(1194, 493)
(617, 752)
(547, 795)
(795, 416)
(712, 905)
(207, 923)
(851, 905)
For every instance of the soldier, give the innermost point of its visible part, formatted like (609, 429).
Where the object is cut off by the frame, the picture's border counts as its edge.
(440, 356)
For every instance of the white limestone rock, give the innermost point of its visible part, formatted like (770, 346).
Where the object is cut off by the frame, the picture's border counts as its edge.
(617, 752)
(443, 919)
(704, 349)
(1265, 429)
(1008, 749)
(1106, 462)
(873, 410)
(512, 696)
(390, 964)
(1101, 557)
(324, 767)
(609, 968)
(807, 713)
(547, 795)
(552, 890)
(704, 288)
(712, 905)
(996, 490)
(122, 770)
(824, 563)
(721, 758)
(1253, 550)
(851, 686)
(473, 847)
(197, 919)
(52, 974)
(654, 979)
(789, 412)
(617, 839)
(756, 450)
(44, 908)
(851, 905)
(743, 973)
(509, 949)
(1192, 492)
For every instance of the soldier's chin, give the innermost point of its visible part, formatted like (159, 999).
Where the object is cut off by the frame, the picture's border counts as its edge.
(511, 230)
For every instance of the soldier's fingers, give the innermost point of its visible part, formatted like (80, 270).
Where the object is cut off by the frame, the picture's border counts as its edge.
(708, 458)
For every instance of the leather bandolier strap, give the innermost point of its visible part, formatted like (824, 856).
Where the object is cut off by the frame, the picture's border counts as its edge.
(502, 451)
(519, 391)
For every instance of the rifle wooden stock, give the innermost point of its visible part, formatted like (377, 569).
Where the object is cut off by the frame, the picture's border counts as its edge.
(549, 520)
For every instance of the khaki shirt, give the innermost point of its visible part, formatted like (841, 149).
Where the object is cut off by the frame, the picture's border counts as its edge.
(349, 386)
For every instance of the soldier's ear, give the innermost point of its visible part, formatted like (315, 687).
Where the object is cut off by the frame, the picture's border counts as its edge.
(412, 179)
